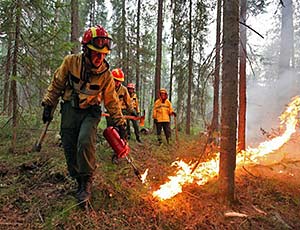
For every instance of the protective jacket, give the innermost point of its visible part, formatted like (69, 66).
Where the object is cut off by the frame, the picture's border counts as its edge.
(124, 98)
(135, 102)
(89, 85)
(162, 111)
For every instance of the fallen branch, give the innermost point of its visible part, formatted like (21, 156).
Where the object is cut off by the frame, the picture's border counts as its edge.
(235, 214)
(249, 172)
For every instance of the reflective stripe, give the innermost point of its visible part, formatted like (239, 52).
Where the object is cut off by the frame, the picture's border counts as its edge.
(94, 32)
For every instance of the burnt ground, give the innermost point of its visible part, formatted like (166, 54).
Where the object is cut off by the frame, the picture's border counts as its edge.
(36, 193)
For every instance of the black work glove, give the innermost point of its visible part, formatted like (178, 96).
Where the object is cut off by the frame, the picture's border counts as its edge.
(47, 113)
(134, 114)
(174, 114)
(155, 121)
(121, 129)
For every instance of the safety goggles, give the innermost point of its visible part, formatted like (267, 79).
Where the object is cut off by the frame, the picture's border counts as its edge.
(101, 42)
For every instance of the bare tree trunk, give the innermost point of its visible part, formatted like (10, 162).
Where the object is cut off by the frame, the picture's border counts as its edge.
(287, 37)
(123, 34)
(188, 115)
(74, 27)
(7, 73)
(172, 51)
(229, 99)
(13, 82)
(215, 118)
(158, 48)
(138, 49)
(242, 82)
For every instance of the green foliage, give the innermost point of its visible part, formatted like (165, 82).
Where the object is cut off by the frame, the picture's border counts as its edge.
(45, 40)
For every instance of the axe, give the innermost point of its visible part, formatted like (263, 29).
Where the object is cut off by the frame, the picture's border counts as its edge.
(140, 118)
(38, 145)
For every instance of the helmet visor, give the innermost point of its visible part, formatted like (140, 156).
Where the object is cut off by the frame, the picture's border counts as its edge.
(101, 42)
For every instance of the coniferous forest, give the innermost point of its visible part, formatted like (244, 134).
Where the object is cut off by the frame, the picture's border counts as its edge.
(231, 70)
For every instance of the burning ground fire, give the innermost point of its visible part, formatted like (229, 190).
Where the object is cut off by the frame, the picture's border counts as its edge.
(207, 170)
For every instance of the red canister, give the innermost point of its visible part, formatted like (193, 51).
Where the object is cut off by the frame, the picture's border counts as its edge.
(118, 145)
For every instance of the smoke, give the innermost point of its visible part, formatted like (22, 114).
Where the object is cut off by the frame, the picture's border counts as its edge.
(265, 103)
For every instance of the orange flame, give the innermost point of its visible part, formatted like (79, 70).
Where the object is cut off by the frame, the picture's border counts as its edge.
(207, 170)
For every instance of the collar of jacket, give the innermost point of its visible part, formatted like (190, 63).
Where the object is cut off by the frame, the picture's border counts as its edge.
(95, 71)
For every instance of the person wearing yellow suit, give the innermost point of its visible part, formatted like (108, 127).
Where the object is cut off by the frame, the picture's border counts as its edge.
(162, 111)
(83, 81)
(135, 105)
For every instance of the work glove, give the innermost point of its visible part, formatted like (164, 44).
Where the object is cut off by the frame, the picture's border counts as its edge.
(47, 113)
(121, 129)
(174, 114)
(134, 114)
(155, 121)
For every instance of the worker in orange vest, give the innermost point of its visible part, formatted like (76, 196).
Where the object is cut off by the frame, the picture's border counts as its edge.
(161, 114)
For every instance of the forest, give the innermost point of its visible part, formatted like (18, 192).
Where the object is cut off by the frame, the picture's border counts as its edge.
(231, 70)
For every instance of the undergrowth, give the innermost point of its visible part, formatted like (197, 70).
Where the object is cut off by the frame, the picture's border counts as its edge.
(37, 193)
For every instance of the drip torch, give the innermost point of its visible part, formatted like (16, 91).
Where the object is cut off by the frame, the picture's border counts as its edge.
(120, 148)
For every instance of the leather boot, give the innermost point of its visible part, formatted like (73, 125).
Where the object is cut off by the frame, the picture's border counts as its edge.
(84, 194)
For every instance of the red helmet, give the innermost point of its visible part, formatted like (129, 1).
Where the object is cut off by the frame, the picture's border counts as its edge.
(131, 86)
(96, 38)
(118, 74)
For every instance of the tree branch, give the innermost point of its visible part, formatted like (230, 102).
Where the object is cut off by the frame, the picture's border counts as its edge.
(251, 29)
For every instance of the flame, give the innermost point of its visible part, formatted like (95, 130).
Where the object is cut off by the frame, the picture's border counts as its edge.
(207, 170)
(144, 176)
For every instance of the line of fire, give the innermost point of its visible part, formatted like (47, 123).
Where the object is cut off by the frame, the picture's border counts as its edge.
(205, 171)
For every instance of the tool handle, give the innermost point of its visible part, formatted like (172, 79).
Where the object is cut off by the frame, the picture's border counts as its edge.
(38, 145)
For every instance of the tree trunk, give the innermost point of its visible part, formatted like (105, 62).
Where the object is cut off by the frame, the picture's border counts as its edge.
(172, 50)
(74, 27)
(287, 37)
(215, 118)
(229, 99)
(137, 88)
(158, 48)
(123, 34)
(14, 74)
(242, 82)
(7, 73)
(188, 111)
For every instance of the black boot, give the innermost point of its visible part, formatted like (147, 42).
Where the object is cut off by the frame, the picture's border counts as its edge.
(78, 180)
(138, 139)
(85, 192)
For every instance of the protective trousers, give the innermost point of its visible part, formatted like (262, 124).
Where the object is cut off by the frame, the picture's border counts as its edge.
(166, 128)
(78, 133)
(136, 129)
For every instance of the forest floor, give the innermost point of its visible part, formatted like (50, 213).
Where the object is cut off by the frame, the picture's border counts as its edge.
(36, 193)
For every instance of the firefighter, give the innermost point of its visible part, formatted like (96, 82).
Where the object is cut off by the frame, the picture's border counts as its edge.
(135, 105)
(162, 111)
(83, 80)
(122, 93)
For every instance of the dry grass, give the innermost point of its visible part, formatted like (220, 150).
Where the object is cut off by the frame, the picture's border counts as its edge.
(36, 192)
